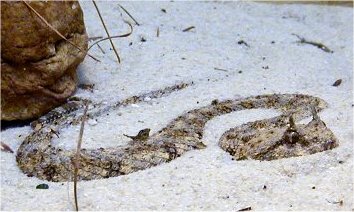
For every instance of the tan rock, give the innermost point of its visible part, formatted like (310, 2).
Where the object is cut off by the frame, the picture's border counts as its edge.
(38, 67)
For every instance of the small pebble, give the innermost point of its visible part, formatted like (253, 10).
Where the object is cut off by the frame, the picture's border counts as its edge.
(337, 83)
(42, 186)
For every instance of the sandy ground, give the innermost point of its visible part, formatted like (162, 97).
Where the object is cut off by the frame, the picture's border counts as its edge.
(207, 179)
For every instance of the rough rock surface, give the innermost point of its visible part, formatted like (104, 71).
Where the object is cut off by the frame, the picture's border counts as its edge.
(38, 67)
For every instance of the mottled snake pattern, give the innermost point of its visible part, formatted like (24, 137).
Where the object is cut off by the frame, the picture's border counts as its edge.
(267, 139)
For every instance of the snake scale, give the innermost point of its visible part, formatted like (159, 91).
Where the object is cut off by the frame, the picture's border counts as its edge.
(267, 139)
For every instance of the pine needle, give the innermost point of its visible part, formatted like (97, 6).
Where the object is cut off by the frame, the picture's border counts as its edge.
(94, 38)
(101, 49)
(105, 28)
(77, 156)
(126, 11)
(116, 36)
(56, 31)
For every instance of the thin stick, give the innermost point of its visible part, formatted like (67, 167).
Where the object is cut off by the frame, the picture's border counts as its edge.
(94, 38)
(318, 45)
(77, 156)
(117, 36)
(188, 28)
(129, 14)
(101, 49)
(105, 28)
(220, 69)
(56, 31)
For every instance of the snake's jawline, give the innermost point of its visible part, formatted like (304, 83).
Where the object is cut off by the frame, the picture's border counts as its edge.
(36, 157)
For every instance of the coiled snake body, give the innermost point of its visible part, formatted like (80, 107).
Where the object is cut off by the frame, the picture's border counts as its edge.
(266, 139)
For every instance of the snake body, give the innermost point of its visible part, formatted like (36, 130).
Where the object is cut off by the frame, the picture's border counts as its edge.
(266, 139)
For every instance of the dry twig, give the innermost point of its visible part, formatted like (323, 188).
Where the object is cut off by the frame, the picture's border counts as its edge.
(77, 156)
(116, 36)
(56, 31)
(129, 14)
(105, 28)
(246, 209)
(188, 29)
(101, 49)
(220, 69)
(94, 38)
(317, 44)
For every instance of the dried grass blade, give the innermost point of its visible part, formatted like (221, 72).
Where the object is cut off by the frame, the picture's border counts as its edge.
(116, 36)
(126, 11)
(105, 28)
(94, 38)
(101, 49)
(188, 29)
(77, 156)
(56, 31)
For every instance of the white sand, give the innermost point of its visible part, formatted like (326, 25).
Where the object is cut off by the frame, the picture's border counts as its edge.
(207, 179)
